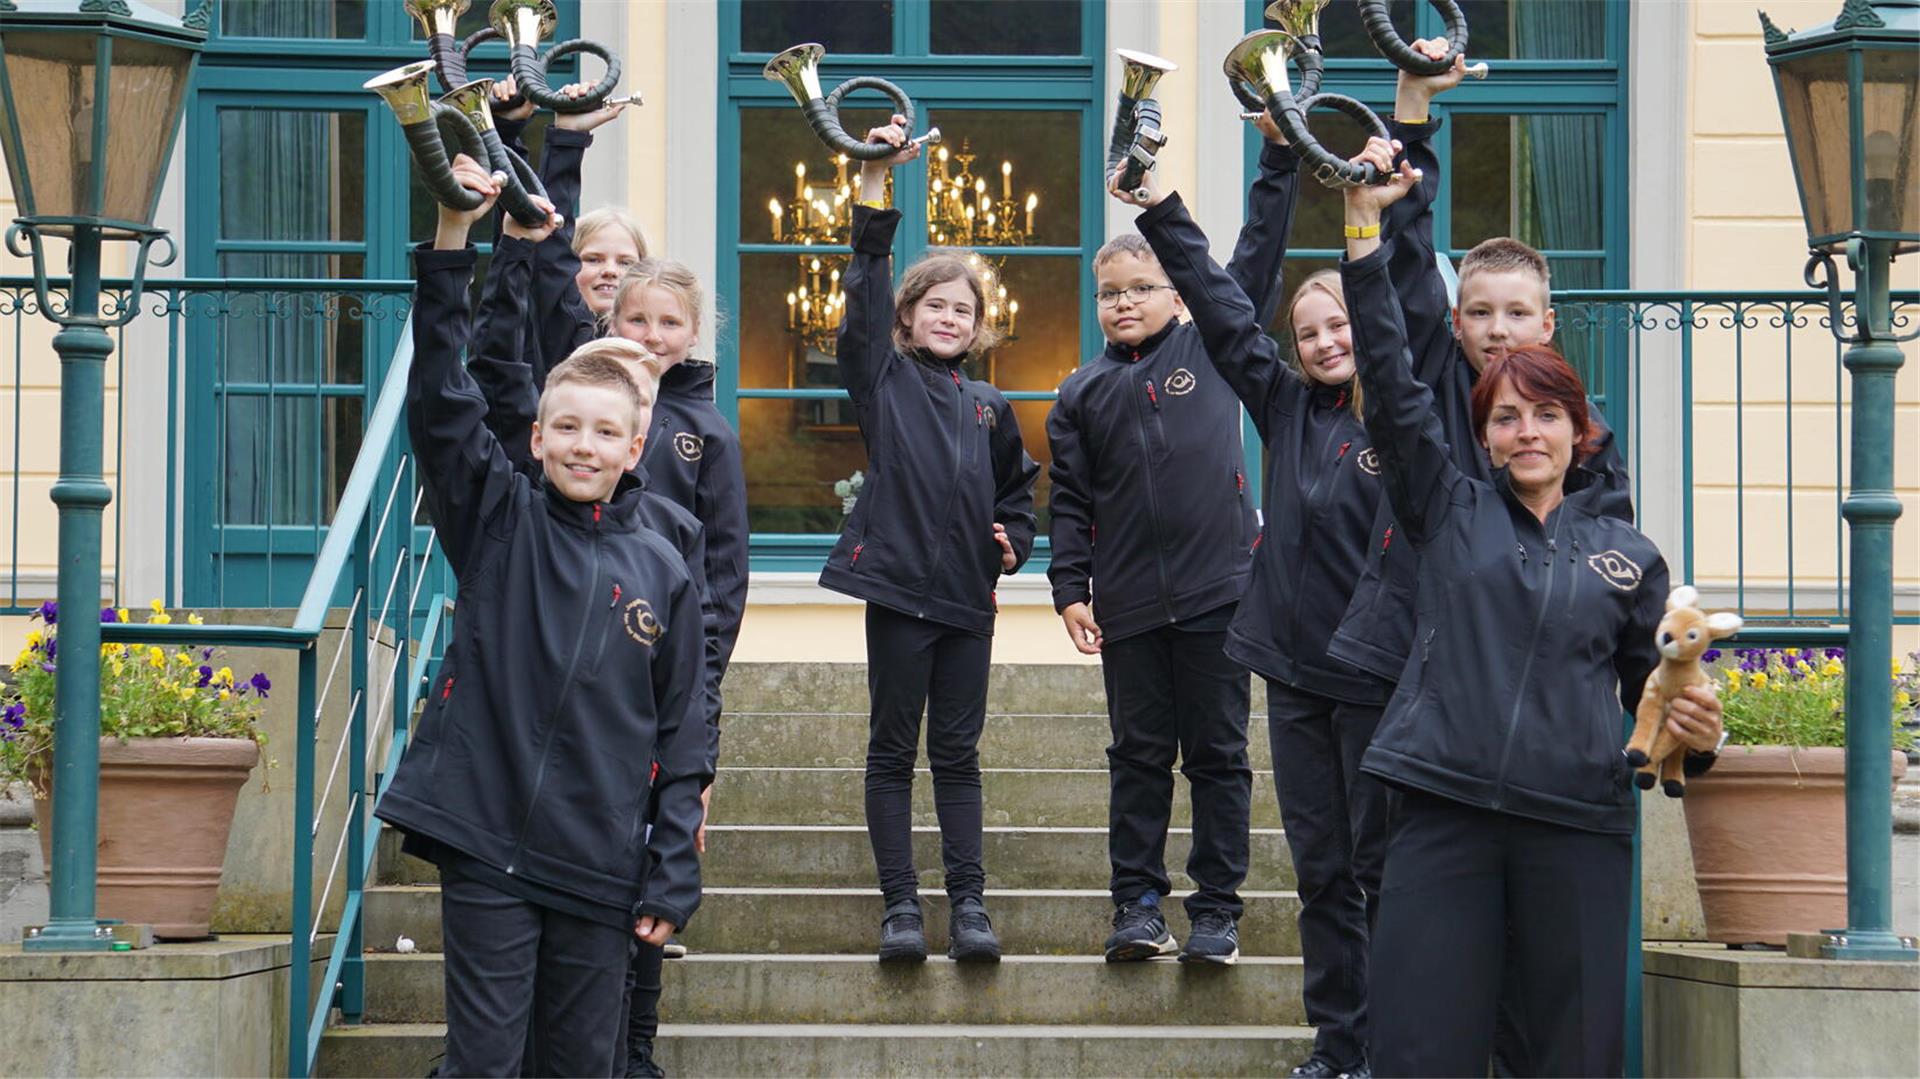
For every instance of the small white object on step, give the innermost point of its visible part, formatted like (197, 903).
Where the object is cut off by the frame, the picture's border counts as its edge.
(405, 945)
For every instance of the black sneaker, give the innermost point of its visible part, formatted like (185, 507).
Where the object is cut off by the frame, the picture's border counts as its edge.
(1319, 1067)
(640, 1063)
(673, 949)
(1362, 1070)
(902, 940)
(1140, 931)
(1214, 938)
(970, 936)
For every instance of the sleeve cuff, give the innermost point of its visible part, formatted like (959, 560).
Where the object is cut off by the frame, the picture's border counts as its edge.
(512, 247)
(1368, 265)
(560, 136)
(426, 259)
(1407, 133)
(652, 909)
(873, 230)
(1154, 215)
(1277, 158)
(1067, 597)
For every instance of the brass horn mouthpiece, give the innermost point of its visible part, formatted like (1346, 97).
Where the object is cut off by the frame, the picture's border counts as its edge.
(932, 137)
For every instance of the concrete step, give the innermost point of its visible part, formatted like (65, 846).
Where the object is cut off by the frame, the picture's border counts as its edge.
(407, 1049)
(857, 989)
(839, 740)
(836, 855)
(847, 920)
(1033, 797)
(1022, 688)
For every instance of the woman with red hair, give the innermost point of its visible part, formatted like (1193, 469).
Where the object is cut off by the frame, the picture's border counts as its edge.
(1509, 855)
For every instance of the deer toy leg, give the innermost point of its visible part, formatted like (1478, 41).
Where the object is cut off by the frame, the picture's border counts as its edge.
(1647, 721)
(1673, 776)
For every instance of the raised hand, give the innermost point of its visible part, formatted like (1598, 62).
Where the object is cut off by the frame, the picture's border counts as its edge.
(451, 233)
(1154, 195)
(585, 121)
(533, 235)
(1413, 92)
(503, 90)
(1366, 202)
(873, 174)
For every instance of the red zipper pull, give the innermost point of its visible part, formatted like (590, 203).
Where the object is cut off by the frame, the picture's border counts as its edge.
(447, 690)
(1340, 401)
(616, 595)
(596, 513)
(1153, 396)
(1239, 481)
(1386, 540)
(1344, 447)
(955, 374)
(857, 548)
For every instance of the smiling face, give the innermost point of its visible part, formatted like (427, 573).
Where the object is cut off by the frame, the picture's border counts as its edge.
(603, 258)
(1533, 440)
(944, 319)
(1501, 310)
(587, 436)
(654, 318)
(1130, 321)
(1322, 338)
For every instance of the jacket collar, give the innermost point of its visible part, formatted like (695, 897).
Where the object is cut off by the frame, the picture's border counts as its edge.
(925, 358)
(689, 378)
(1134, 353)
(616, 514)
(1325, 396)
(1581, 488)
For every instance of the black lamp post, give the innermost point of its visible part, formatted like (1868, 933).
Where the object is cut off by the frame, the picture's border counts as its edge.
(1850, 98)
(91, 93)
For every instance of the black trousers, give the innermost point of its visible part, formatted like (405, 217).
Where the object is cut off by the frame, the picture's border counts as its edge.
(917, 667)
(1173, 693)
(1335, 818)
(1482, 910)
(527, 986)
(643, 1001)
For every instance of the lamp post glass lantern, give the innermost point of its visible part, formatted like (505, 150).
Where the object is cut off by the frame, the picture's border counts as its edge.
(91, 95)
(1850, 101)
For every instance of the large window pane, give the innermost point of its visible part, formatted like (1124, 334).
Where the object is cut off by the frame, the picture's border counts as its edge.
(1003, 156)
(782, 161)
(287, 459)
(1537, 178)
(792, 463)
(423, 212)
(292, 337)
(292, 174)
(843, 26)
(1536, 29)
(1322, 210)
(1006, 27)
(1044, 294)
(294, 18)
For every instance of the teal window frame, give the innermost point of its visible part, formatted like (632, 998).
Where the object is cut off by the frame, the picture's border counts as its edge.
(228, 564)
(1594, 86)
(935, 82)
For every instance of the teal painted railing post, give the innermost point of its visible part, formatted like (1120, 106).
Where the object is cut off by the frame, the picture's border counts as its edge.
(1873, 360)
(300, 970)
(353, 969)
(82, 495)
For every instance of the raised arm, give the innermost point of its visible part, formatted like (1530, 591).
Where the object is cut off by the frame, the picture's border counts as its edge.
(1262, 246)
(1013, 476)
(560, 321)
(497, 360)
(1240, 349)
(1408, 224)
(681, 741)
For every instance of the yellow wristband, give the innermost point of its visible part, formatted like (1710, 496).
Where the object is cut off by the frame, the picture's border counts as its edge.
(873, 204)
(1362, 232)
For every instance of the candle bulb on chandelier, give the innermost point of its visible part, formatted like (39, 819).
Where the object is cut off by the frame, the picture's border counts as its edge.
(800, 181)
(1013, 312)
(773, 207)
(1032, 201)
(793, 314)
(1006, 179)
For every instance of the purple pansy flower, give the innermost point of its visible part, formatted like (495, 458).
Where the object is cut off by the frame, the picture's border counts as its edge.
(49, 612)
(260, 684)
(206, 676)
(108, 615)
(1711, 655)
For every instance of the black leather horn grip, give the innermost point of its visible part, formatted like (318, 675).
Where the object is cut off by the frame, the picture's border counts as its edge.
(1126, 121)
(448, 61)
(1311, 65)
(824, 115)
(1290, 116)
(521, 182)
(475, 40)
(1385, 38)
(1131, 172)
(425, 141)
(530, 75)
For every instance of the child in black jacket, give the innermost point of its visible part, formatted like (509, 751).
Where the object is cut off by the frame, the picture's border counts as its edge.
(947, 508)
(571, 681)
(1147, 456)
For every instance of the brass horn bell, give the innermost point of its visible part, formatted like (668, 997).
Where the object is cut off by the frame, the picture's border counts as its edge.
(526, 23)
(1137, 136)
(1256, 68)
(798, 69)
(519, 180)
(426, 123)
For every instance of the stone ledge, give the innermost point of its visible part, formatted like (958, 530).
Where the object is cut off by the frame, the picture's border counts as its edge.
(1714, 964)
(234, 955)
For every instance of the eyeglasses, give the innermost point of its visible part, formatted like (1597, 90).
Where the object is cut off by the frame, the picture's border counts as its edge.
(1137, 294)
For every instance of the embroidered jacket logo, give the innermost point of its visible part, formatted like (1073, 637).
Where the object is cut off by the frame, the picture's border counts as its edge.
(1180, 383)
(1616, 569)
(641, 624)
(1369, 461)
(689, 446)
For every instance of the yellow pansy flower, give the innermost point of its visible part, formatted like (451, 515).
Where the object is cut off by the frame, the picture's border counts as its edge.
(160, 620)
(33, 639)
(195, 620)
(157, 606)
(1759, 680)
(1833, 666)
(225, 693)
(183, 659)
(186, 693)
(157, 658)
(122, 615)
(1903, 699)
(224, 676)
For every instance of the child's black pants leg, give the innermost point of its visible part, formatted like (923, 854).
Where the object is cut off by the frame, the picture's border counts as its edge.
(956, 716)
(1138, 672)
(900, 656)
(1335, 821)
(643, 1001)
(492, 945)
(1211, 699)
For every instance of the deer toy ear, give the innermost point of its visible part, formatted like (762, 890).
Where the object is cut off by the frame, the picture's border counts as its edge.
(1683, 596)
(1724, 623)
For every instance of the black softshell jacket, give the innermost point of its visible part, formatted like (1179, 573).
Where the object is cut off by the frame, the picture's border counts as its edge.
(574, 667)
(1152, 522)
(1376, 632)
(1530, 638)
(1322, 478)
(944, 462)
(692, 454)
(502, 367)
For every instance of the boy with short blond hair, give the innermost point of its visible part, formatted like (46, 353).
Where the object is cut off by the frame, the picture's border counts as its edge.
(555, 776)
(1147, 457)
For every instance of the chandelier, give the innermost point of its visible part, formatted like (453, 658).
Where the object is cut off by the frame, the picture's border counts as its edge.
(960, 213)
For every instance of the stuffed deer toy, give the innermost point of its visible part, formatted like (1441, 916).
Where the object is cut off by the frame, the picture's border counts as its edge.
(1685, 632)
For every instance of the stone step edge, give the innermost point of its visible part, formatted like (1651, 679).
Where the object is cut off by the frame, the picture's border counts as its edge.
(867, 958)
(934, 829)
(932, 893)
(669, 1031)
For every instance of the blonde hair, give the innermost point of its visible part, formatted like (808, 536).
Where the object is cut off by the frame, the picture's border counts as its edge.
(920, 278)
(666, 274)
(594, 222)
(613, 363)
(1504, 254)
(1327, 282)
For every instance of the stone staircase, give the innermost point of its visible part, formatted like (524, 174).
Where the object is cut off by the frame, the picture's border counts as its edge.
(782, 979)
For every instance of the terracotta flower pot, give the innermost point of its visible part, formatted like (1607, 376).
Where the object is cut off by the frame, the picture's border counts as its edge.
(166, 806)
(1768, 828)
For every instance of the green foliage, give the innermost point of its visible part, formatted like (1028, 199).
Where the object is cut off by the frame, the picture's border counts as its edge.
(145, 692)
(1797, 697)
